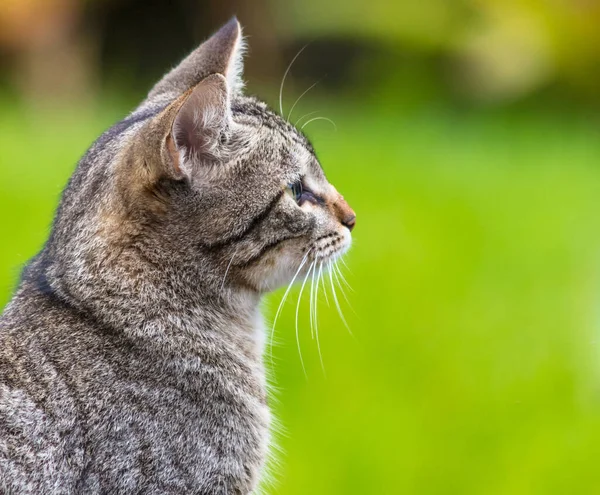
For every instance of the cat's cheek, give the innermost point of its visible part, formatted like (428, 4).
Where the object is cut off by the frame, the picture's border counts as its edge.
(278, 268)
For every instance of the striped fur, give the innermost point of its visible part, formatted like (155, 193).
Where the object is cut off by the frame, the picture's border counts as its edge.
(131, 352)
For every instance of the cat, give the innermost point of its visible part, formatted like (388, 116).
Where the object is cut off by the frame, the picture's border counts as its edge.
(131, 352)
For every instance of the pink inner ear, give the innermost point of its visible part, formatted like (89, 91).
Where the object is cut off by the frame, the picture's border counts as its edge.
(197, 141)
(186, 132)
(201, 120)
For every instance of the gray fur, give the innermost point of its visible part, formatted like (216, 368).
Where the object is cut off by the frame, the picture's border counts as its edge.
(131, 352)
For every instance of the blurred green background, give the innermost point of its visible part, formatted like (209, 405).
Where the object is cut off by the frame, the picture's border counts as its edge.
(468, 143)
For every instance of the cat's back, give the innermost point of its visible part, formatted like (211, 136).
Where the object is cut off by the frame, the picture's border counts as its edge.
(38, 407)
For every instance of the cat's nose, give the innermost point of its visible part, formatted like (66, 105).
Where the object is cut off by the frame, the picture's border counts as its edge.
(345, 214)
(349, 221)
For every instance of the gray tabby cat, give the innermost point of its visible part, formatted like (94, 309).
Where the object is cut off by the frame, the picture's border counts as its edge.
(131, 353)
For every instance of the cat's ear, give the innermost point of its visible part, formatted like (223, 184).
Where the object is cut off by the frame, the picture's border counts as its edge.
(221, 54)
(200, 127)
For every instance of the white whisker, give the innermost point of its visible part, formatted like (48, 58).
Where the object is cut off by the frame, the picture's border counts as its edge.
(227, 270)
(345, 264)
(297, 309)
(337, 304)
(304, 116)
(299, 98)
(284, 76)
(283, 299)
(317, 322)
(337, 272)
(340, 273)
(322, 278)
(318, 118)
(310, 306)
(337, 279)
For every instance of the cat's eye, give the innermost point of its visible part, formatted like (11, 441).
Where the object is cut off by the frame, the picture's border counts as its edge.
(295, 191)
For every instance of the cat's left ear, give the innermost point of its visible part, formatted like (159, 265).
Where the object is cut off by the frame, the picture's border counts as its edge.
(200, 129)
(221, 54)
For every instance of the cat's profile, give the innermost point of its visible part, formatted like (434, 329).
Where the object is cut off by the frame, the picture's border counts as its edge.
(131, 352)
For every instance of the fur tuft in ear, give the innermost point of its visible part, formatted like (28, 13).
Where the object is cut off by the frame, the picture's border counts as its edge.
(235, 69)
(201, 123)
(221, 54)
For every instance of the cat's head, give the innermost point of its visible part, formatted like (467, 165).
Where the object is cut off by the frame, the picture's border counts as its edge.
(202, 175)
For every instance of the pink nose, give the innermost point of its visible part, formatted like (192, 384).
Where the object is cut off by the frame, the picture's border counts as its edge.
(345, 214)
(349, 221)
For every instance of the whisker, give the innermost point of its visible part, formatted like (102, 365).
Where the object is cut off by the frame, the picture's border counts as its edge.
(299, 98)
(318, 118)
(283, 299)
(337, 304)
(340, 273)
(337, 279)
(345, 264)
(304, 116)
(323, 283)
(317, 321)
(337, 272)
(227, 270)
(315, 276)
(297, 309)
(310, 306)
(284, 76)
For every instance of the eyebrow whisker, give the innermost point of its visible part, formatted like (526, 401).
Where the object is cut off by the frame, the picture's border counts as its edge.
(300, 97)
(284, 77)
(304, 116)
(318, 118)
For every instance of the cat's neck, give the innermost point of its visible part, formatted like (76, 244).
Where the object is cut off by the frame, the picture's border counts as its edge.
(171, 306)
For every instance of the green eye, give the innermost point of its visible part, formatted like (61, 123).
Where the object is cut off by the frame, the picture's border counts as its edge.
(295, 191)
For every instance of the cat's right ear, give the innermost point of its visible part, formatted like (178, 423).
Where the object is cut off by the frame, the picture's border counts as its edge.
(221, 54)
(200, 127)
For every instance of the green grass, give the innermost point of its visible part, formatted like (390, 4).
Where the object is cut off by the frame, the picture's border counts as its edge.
(474, 365)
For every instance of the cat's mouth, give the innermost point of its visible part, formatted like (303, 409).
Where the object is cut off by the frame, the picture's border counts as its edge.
(330, 246)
